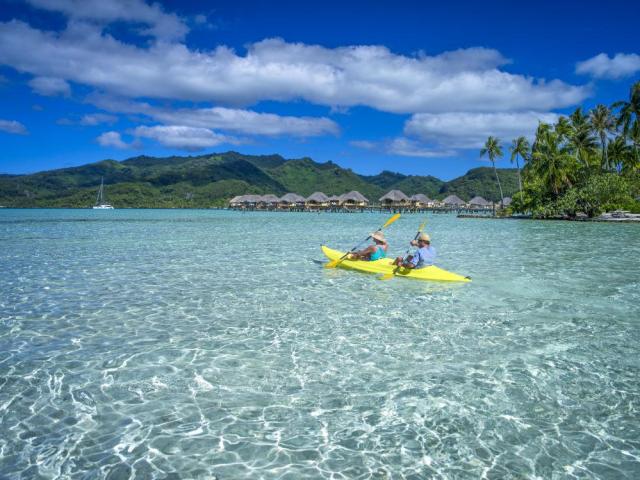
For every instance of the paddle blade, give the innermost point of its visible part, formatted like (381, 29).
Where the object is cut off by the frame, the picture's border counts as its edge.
(386, 276)
(391, 220)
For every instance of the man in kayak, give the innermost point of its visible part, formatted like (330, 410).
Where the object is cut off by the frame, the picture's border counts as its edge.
(373, 252)
(423, 257)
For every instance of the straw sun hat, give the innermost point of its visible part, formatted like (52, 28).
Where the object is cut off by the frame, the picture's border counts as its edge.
(424, 237)
(378, 236)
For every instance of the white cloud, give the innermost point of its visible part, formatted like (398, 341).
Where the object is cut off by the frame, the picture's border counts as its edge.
(463, 80)
(92, 119)
(470, 130)
(248, 122)
(182, 137)
(220, 118)
(160, 24)
(404, 147)
(12, 126)
(365, 144)
(410, 148)
(50, 86)
(601, 66)
(112, 139)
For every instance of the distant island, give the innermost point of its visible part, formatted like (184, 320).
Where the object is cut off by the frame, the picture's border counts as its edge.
(212, 180)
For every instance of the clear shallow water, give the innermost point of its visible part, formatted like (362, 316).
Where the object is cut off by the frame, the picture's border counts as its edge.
(208, 344)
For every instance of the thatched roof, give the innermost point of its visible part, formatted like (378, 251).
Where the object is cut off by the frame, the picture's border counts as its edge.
(420, 197)
(477, 200)
(269, 198)
(453, 200)
(394, 196)
(236, 199)
(292, 198)
(250, 199)
(506, 201)
(353, 196)
(317, 197)
(334, 198)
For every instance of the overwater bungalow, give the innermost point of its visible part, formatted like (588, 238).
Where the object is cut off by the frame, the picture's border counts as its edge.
(268, 201)
(453, 201)
(250, 201)
(236, 201)
(394, 198)
(334, 201)
(420, 200)
(478, 202)
(353, 199)
(291, 200)
(317, 200)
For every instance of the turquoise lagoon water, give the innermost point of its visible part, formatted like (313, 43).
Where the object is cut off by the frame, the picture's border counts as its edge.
(209, 344)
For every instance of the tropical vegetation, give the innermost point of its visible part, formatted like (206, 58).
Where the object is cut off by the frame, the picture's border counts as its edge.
(584, 164)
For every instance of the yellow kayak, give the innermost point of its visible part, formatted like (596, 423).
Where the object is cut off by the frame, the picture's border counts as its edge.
(385, 266)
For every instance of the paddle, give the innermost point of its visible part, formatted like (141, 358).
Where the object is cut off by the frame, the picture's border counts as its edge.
(335, 263)
(388, 276)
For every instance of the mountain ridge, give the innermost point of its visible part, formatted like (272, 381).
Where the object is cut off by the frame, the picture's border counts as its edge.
(212, 179)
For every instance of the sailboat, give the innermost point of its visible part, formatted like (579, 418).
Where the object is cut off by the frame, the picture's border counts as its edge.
(100, 204)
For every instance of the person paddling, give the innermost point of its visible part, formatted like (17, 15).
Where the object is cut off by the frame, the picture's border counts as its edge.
(373, 252)
(423, 257)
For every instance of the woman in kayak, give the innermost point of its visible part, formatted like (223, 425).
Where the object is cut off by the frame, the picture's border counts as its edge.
(423, 257)
(373, 252)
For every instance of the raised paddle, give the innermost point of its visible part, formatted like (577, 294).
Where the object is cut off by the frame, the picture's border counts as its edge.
(388, 276)
(335, 263)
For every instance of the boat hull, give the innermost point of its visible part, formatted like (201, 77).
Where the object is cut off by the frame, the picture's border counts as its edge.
(385, 266)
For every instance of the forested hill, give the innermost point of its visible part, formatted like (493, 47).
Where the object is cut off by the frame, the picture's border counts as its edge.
(211, 180)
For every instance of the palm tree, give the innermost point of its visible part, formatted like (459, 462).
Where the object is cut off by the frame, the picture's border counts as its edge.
(564, 127)
(634, 136)
(493, 149)
(578, 119)
(619, 153)
(552, 162)
(583, 143)
(629, 115)
(519, 147)
(602, 122)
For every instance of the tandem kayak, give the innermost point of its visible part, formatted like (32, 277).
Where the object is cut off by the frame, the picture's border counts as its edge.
(385, 266)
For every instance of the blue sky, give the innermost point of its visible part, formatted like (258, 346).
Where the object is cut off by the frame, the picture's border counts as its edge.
(413, 87)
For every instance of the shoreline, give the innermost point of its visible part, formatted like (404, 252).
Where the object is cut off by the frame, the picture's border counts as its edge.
(601, 219)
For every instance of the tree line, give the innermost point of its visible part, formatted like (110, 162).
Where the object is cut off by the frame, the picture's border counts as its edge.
(585, 163)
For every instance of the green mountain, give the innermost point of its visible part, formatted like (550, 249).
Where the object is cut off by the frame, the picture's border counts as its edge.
(211, 180)
(482, 181)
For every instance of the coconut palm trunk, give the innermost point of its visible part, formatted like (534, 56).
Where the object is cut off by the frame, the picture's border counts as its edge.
(495, 170)
(493, 149)
(519, 175)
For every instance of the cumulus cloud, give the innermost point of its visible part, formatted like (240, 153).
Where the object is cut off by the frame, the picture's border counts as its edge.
(463, 80)
(220, 118)
(404, 147)
(248, 122)
(112, 139)
(470, 130)
(50, 86)
(159, 23)
(409, 148)
(618, 66)
(92, 119)
(12, 126)
(182, 137)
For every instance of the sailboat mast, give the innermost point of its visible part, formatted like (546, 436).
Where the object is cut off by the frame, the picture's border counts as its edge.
(99, 200)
